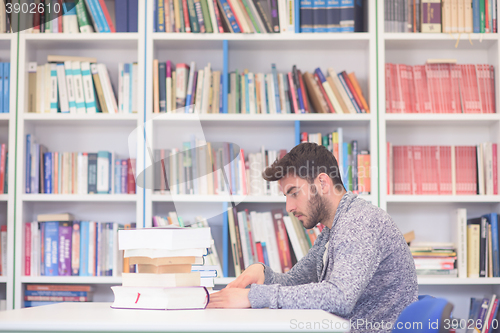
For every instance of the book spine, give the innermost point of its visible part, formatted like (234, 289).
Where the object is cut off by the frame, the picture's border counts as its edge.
(53, 89)
(88, 89)
(51, 248)
(107, 18)
(133, 10)
(27, 249)
(65, 235)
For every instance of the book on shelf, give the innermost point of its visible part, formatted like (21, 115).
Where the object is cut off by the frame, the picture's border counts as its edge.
(86, 16)
(76, 172)
(483, 314)
(46, 294)
(3, 250)
(440, 16)
(78, 85)
(255, 16)
(4, 168)
(434, 259)
(440, 88)
(4, 87)
(443, 170)
(71, 248)
(255, 93)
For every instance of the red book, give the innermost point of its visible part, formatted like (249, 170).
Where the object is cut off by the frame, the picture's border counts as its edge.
(27, 249)
(401, 88)
(187, 26)
(420, 171)
(282, 240)
(353, 91)
(293, 92)
(431, 71)
(408, 170)
(495, 168)
(396, 92)
(130, 176)
(389, 168)
(388, 85)
(260, 253)
(412, 96)
(60, 18)
(3, 151)
(473, 171)
(219, 22)
(323, 92)
(456, 75)
(434, 182)
(444, 170)
(304, 92)
(304, 137)
(106, 15)
(58, 287)
(469, 89)
(57, 298)
(491, 88)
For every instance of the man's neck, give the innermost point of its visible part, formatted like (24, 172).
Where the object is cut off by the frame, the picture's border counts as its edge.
(335, 201)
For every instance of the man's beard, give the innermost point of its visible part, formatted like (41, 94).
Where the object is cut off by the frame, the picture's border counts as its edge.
(318, 210)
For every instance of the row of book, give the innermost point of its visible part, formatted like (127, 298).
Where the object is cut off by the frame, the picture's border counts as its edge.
(447, 16)
(47, 294)
(76, 172)
(3, 250)
(259, 16)
(440, 88)
(444, 170)
(80, 87)
(169, 274)
(86, 16)
(482, 315)
(354, 164)
(58, 245)
(187, 90)
(4, 87)
(272, 238)
(434, 259)
(4, 169)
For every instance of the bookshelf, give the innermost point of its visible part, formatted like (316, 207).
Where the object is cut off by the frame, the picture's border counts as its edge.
(431, 216)
(8, 53)
(76, 133)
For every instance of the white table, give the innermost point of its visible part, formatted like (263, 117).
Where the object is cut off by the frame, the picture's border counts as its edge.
(99, 317)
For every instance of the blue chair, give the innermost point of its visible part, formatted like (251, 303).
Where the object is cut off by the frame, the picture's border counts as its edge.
(427, 315)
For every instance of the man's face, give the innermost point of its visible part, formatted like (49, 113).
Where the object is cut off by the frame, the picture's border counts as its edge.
(303, 201)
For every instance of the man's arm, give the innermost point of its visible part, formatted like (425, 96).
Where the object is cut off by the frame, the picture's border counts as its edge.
(356, 258)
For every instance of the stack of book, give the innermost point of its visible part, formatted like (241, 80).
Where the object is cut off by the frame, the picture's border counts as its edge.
(187, 90)
(448, 16)
(4, 169)
(79, 85)
(164, 258)
(3, 250)
(76, 172)
(354, 164)
(434, 259)
(77, 248)
(84, 16)
(444, 170)
(46, 294)
(4, 87)
(259, 16)
(483, 314)
(438, 87)
(204, 170)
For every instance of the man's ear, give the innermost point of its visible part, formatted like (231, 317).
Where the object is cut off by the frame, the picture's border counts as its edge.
(324, 182)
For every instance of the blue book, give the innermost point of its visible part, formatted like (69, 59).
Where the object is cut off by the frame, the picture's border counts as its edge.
(319, 16)
(121, 15)
(27, 180)
(6, 86)
(1, 88)
(296, 3)
(30, 304)
(162, 72)
(84, 248)
(160, 19)
(230, 16)
(118, 176)
(493, 220)
(333, 15)
(47, 161)
(346, 15)
(155, 15)
(51, 248)
(276, 88)
(57, 293)
(264, 253)
(133, 10)
(98, 15)
(220, 95)
(476, 18)
(349, 93)
(129, 68)
(287, 94)
(345, 163)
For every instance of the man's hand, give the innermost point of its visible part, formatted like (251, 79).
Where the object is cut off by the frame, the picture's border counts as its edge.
(235, 298)
(253, 274)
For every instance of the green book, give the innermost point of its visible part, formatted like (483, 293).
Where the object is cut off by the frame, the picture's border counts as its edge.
(349, 167)
(249, 12)
(181, 10)
(83, 18)
(193, 20)
(48, 17)
(206, 16)
(482, 19)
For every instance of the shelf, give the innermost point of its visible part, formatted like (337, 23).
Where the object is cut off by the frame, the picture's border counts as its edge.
(72, 279)
(430, 281)
(263, 37)
(3, 197)
(320, 117)
(4, 118)
(7, 36)
(440, 36)
(81, 119)
(442, 198)
(226, 198)
(429, 41)
(79, 197)
(3, 279)
(432, 119)
(84, 37)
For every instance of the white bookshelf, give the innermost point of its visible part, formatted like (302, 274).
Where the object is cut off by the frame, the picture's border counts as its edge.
(431, 216)
(8, 53)
(77, 133)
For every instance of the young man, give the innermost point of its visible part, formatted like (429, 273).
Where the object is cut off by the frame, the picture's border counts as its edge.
(360, 267)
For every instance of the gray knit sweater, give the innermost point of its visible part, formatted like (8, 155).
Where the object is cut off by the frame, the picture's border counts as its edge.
(369, 276)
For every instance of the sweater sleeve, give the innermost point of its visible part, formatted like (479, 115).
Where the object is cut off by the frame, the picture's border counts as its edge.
(355, 257)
